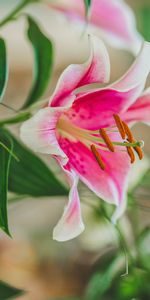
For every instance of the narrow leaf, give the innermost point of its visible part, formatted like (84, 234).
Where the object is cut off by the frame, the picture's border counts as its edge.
(100, 282)
(5, 157)
(43, 61)
(8, 292)
(3, 68)
(31, 176)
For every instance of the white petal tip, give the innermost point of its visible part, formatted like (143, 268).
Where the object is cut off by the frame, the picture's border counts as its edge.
(65, 233)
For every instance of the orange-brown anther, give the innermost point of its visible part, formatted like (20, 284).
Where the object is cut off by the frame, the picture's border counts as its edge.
(98, 157)
(106, 139)
(131, 154)
(128, 132)
(132, 140)
(139, 152)
(120, 126)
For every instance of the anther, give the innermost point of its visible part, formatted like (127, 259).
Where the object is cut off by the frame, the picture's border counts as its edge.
(131, 154)
(131, 139)
(139, 152)
(98, 157)
(120, 126)
(128, 132)
(106, 139)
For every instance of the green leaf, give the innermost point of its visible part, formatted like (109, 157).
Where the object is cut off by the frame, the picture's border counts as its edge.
(87, 4)
(134, 286)
(145, 180)
(5, 157)
(100, 282)
(8, 292)
(43, 62)
(66, 298)
(30, 176)
(3, 68)
(144, 21)
(23, 116)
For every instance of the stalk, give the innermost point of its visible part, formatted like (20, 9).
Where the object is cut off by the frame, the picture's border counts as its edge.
(23, 116)
(12, 15)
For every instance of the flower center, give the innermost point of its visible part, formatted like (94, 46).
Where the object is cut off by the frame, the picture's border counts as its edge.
(97, 140)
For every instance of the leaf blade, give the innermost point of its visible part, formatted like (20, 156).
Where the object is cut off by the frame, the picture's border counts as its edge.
(144, 22)
(100, 282)
(3, 68)
(7, 291)
(5, 158)
(31, 176)
(43, 62)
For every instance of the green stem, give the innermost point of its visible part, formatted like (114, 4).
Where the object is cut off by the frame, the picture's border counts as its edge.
(23, 116)
(125, 248)
(122, 240)
(128, 144)
(16, 10)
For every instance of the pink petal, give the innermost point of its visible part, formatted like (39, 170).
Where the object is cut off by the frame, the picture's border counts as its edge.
(115, 18)
(70, 225)
(140, 110)
(109, 184)
(136, 76)
(39, 132)
(95, 109)
(96, 69)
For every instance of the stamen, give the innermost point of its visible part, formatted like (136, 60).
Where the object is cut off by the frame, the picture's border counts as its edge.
(106, 139)
(128, 132)
(98, 157)
(132, 140)
(131, 154)
(120, 126)
(139, 152)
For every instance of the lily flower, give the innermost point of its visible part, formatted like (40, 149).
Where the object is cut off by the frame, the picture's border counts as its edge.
(114, 18)
(88, 134)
